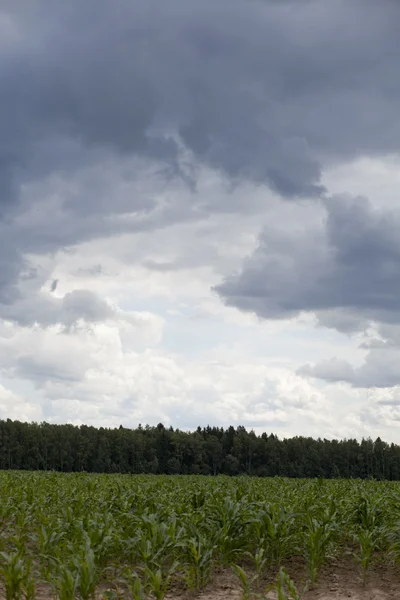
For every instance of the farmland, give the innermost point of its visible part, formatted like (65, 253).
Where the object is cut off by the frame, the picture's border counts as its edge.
(81, 535)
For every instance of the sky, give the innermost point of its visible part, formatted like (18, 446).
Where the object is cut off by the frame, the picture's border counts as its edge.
(199, 217)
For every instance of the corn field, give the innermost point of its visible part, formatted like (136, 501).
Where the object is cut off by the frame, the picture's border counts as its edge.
(86, 536)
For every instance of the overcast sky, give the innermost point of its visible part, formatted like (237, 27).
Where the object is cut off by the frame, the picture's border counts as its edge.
(199, 215)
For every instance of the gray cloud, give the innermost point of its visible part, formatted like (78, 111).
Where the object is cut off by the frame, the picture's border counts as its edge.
(47, 310)
(347, 271)
(266, 91)
(83, 304)
(379, 370)
(269, 92)
(333, 370)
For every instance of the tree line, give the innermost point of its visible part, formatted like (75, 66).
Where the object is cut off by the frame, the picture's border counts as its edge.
(206, 451)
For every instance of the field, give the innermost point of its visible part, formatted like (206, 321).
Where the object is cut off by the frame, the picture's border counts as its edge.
(119, 536)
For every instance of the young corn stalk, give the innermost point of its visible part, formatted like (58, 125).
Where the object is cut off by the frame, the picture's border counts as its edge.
(199, 555)
(47, 547)
(30, 589)
(88, 574)
(157, 582)
(274, 530)
(286, 588)
(260, 560)
(367, 513)
(230, 521)
(366, 542)
(16, 576)
(148, 554)
(393, 539)
(19, 541)
(318, 538)
(65, 583)
(162, 536)
(101, 537)
(245, 582)
(135, 586)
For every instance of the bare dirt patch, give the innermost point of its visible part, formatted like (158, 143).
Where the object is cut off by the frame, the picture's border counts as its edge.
(337, 582)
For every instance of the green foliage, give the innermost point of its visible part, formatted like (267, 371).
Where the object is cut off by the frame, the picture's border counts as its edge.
(285, 587)
(157, 581)
(230, 522)
(198, 552)
(88, 573)
(65, 583)
(135, 586)
(206, 451)
(273, 525)
(366, 539)
(319, 532)
(141, 536)
(15, 573)
(246, 582)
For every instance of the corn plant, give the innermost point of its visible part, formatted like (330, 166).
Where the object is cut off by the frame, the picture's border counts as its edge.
(230, 522)
(367, 513)
(366, 540)
(157, 582)
(198, 555)
(246, 582)
(47, 547)
(260, 559)
(65, 583)
(156, 540)
(88, 574)
(75, 532)
(16, 576)
(273, 526)
(100, 535)
(135, 586)
(285, 587)
(393, 538)
(319, 535)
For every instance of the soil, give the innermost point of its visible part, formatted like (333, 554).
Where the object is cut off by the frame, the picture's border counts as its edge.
(337, 582)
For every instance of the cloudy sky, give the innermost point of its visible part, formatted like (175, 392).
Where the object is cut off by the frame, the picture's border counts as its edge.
(199, 216)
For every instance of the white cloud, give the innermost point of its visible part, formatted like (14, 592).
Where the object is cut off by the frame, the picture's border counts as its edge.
(13, 406)
(89, 375)
(123, 340)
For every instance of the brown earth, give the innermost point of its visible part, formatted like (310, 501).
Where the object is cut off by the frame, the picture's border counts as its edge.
(338, 581)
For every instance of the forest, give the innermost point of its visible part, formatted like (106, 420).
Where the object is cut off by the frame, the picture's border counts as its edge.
(205, 451)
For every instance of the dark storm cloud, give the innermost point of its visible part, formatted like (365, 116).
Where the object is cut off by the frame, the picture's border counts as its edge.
(347, 271)
(269, 92)
(262, 90)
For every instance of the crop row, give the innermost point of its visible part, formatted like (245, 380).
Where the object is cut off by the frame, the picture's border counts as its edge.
(142, 536)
